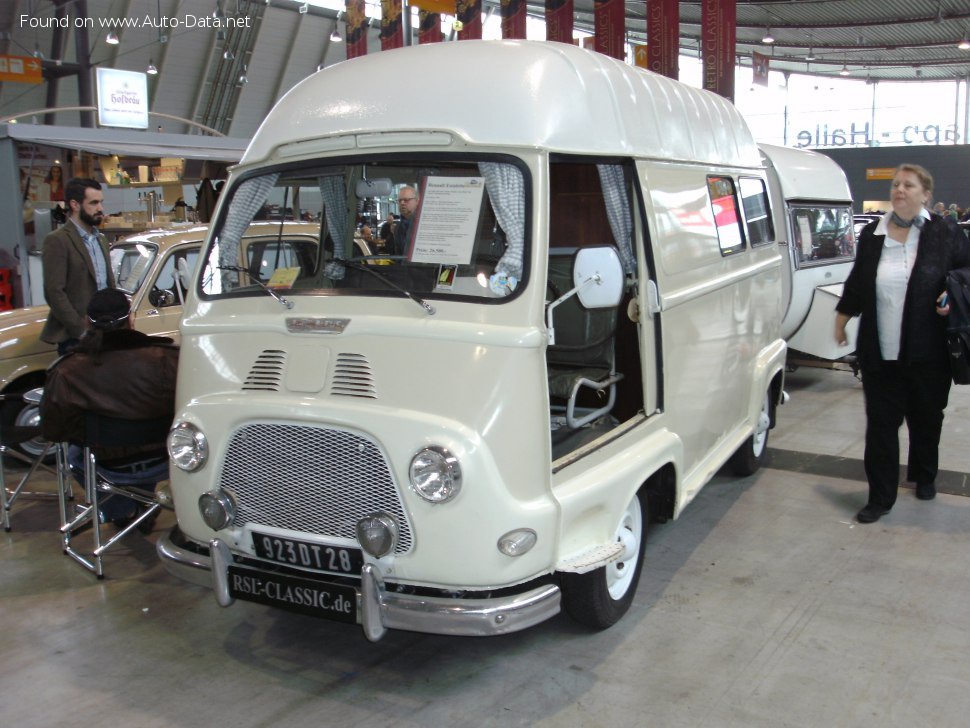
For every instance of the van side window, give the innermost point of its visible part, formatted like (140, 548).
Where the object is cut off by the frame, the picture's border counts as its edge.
(754, 203)
(823, 234)
(727, 220)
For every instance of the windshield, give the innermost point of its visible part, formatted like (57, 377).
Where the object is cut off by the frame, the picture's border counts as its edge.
(130, 263)
(430, 228)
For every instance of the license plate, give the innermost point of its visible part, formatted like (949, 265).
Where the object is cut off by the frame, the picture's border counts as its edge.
(307, 596)
(308, 555)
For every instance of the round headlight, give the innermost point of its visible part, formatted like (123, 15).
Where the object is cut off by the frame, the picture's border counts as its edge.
(435, 474)
(187, 446)
(218, 509)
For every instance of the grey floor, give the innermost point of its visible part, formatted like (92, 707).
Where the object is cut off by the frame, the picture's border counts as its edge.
(763, 605)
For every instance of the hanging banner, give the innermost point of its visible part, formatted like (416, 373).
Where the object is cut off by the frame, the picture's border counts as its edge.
(559, 20)
(663, 36)
(609, 28)
(718, 36)
(392, 25)
(356, 29)
(759, 69)
(513, 19)
(429, 27)
(469, 14)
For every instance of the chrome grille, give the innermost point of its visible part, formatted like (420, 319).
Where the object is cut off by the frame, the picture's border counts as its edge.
(266, 372)
(352, 377)
(310, 479)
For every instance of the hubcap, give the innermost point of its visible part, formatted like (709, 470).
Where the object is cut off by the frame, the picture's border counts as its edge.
(629, 532)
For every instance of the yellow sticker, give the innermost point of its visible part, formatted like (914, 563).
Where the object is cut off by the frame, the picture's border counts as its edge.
(283, 278)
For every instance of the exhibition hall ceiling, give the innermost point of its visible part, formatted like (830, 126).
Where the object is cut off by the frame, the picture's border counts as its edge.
(228, 78)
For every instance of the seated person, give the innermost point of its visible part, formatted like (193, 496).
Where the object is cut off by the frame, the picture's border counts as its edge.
(113, 371)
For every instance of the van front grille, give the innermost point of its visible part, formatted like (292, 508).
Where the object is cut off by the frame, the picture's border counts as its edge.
(310, 479)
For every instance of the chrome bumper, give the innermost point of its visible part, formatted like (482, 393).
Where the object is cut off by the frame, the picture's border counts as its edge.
(381, 610)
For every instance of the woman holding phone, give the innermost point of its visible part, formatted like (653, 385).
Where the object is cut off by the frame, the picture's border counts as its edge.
(897, 287)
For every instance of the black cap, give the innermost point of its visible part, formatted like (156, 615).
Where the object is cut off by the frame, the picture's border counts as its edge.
(108, 309)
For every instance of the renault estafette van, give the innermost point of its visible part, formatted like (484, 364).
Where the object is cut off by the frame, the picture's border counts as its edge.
(579, 329)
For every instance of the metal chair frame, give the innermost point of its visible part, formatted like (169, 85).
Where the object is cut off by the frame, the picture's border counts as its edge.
(102, 431)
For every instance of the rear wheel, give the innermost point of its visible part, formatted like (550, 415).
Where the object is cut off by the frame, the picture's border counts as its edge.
(751, 455)
(599, 598)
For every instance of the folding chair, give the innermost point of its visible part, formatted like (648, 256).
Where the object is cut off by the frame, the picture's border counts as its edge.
(99, 432)
(11, 437)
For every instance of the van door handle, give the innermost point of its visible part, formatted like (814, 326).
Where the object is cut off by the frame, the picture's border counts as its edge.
(653, 298)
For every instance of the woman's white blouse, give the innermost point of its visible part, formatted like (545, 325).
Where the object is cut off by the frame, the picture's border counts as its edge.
(892, 278)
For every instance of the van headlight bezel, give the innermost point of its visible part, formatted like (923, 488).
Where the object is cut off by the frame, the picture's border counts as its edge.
(188, 447)
(435, 474)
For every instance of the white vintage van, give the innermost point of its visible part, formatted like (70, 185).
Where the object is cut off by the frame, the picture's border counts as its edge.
(580, 330)
(812, 207)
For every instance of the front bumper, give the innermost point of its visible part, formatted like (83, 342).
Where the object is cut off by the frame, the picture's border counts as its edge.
(380, 609)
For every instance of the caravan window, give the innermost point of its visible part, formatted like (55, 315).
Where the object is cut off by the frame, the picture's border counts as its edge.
(299, 230)
(754, 201)
(724, 203)
(822, 234)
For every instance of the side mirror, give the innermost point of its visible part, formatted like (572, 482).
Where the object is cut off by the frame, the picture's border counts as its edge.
(598, 277)
(380, 187)
(161, 297)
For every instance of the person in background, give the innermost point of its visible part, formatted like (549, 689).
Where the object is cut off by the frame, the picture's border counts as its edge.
(119, 372)
(896, 287)
(76, 264)
(54, 182)
(953, 212)
(407, 200)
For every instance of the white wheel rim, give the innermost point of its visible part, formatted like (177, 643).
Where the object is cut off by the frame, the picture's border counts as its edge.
(760, 436)
(629, 532)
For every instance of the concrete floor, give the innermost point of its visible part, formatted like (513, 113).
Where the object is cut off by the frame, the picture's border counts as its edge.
(763, 605)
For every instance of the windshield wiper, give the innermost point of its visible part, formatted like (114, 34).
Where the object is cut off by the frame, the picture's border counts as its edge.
(239, 269)
(428, 308)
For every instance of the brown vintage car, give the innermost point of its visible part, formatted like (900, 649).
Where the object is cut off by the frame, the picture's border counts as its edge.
(146, 266)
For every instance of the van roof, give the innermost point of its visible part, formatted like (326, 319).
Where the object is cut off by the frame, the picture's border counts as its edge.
(807, 175)
(548, 95)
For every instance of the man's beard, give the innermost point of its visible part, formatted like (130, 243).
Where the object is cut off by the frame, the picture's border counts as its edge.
(93, 220)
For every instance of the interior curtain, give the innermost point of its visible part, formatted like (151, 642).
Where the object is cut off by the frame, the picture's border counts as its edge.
(618, 212)
(246, 201)
(334, 193)
(506, 190)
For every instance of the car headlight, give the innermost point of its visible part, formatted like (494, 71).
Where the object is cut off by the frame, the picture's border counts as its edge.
(435, 474)
(187, 446)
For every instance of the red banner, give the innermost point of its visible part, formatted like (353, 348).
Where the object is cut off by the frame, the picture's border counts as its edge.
(392, 25)
(663, 36)
(609, 27)
(513, 18)
(759, 69)
(718, 36)
(469, 13)
(559, 20)
(356, 29)
(429, 27)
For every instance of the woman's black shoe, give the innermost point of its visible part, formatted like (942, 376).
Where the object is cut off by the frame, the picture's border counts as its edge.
(926, 491)
(871, 513)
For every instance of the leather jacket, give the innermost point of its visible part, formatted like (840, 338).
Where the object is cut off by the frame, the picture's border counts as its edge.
(133, 377)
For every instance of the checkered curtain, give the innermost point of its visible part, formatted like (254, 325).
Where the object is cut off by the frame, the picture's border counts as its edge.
(334, 192)
(246, 202)
(618, 212)
(506, 190)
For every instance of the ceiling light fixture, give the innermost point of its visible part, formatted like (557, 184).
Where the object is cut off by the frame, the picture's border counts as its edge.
(112, 38)
(768, 37)
(335, 36)
(811, 55)
(38, 53)
(151, 70)
(227, 54)
(964, 45)
(243, 78)
(844, 71)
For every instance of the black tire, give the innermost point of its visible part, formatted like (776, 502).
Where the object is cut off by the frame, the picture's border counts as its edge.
(599, 598)
(751, 455)
(17, 413)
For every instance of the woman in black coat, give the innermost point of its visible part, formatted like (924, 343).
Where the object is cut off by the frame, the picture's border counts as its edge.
(896, 286)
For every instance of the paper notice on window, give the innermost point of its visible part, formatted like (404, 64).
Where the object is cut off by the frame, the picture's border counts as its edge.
(805, 231)
(448, 220)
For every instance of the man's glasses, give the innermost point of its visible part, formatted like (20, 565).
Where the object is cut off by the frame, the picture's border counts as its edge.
(406, 199)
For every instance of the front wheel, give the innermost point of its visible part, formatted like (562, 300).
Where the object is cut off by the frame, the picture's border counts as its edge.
(751, 455)
(600, 597)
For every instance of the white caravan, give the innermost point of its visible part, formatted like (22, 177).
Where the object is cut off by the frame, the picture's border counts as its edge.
(467, 433)
(812, 207)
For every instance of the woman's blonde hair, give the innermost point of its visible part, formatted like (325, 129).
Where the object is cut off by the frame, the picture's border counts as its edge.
(925, 178)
